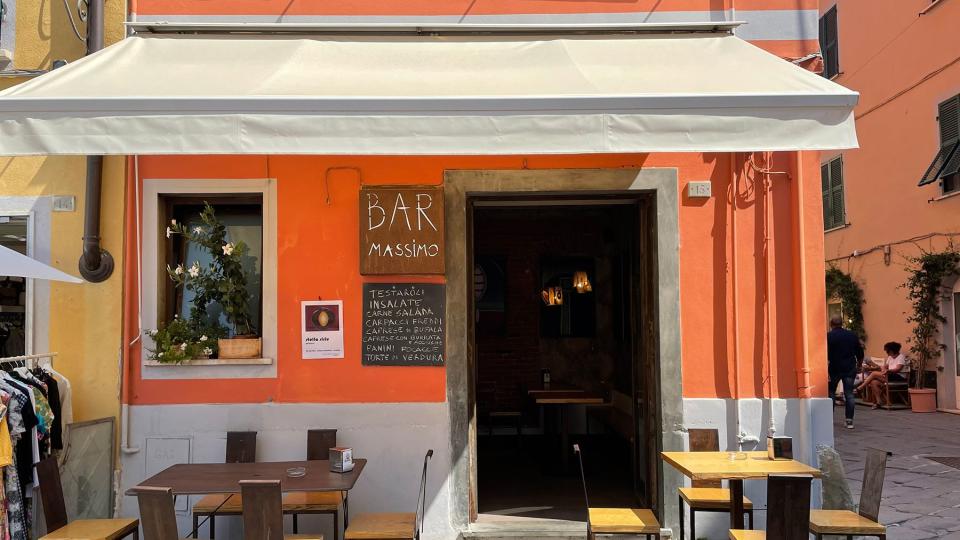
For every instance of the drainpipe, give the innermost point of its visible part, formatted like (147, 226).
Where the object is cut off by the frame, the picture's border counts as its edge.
(96, 264)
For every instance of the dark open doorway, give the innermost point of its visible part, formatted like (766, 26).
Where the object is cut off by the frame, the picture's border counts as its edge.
(562, 288)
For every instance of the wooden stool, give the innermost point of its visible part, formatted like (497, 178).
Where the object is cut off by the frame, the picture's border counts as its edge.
(157, 514)
(319, 443)
(707, 495)
(386, 526)
(619, 521)
(866, 522)
(241, 448)
(263, 512)
(788, 510)
(55, 512)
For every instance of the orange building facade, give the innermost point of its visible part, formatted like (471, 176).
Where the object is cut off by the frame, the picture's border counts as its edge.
(727, 331)
(887, 217)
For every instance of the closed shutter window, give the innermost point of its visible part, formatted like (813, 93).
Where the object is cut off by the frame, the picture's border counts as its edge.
(831, 186)
(829, 43)
(946, 163)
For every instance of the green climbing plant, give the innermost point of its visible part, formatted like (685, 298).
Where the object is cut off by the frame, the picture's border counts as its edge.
(842, 287)
(925, 286)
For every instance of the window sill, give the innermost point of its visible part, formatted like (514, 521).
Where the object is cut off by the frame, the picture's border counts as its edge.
(945, 196)
(837, 228)
(214, 362)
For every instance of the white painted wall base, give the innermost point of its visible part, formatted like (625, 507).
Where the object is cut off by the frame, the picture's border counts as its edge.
(394, 437)
(809, 422)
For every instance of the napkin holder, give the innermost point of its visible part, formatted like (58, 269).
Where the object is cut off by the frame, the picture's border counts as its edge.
(341, 459)
(780, 448)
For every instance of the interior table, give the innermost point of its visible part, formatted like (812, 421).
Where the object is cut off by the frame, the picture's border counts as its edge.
(563, 398)
(207, 478)
(719, 466)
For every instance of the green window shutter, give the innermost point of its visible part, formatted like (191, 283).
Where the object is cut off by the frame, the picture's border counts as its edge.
(829, 43)
(948, 115)
(825, 191)
(947, 160)
(836, 192)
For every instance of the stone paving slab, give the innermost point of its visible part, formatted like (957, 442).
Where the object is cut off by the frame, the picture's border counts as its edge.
(921, 498)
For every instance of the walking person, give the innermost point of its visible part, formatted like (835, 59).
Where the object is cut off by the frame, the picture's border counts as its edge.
(844, 354)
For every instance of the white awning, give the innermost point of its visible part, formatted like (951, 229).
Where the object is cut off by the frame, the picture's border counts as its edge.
(13, 263)
(440, 94)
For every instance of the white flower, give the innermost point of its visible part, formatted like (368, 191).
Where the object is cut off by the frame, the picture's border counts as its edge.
(203, 338)
(208, 351)
(173, 222)
(228, 249)
(169, 232)
(183, 346)
(160, 355)
(194, 270)
(198, 230)
(152, 333)
(178, 270)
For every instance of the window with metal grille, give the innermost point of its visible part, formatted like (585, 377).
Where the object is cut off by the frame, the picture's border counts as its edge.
(946, 163)
(831, 184)
(829, 43)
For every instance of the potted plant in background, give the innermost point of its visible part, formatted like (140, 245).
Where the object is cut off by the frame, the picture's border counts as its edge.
(925, 286)
(179, 342)
(223, 282)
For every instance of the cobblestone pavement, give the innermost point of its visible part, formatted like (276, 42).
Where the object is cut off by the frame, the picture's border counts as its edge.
(921, 498)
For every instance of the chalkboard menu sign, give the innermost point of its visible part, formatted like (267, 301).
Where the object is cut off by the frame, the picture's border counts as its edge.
(403, 324)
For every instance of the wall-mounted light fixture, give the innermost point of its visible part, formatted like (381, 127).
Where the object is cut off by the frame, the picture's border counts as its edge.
(581, 282)
(552, 296)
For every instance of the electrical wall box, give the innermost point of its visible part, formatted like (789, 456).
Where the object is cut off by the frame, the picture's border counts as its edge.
(699, 189)
(64, 203)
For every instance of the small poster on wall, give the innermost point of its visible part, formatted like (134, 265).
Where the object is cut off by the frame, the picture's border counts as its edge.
(321, 329)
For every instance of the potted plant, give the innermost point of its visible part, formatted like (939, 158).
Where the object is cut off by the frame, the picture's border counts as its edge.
(178, 342)
(223, 281)
(924, 286)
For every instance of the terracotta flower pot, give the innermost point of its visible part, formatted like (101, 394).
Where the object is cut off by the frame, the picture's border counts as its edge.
(240, 347)
(923, 400)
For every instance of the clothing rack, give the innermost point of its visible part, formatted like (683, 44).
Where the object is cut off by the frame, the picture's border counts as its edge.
(24, 359)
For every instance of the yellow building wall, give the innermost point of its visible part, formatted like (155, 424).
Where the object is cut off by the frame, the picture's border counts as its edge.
(85, 320)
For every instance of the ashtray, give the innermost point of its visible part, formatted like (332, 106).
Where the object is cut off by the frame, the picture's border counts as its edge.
(296, 472)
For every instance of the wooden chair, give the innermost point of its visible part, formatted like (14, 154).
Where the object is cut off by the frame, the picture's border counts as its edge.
(263, 512)
(707, 495)
(788, 510)
(241, 448)
(865, 522)
(55, 512)
(392, 526)
(488, 406)
(319, 443)
(616, 521)
(157, 514)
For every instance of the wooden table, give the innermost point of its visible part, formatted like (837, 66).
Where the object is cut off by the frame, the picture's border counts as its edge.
(562, 398)
(719, 466)
(207, 478)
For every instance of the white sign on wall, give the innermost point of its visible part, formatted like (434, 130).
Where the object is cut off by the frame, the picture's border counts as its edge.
(321, 329)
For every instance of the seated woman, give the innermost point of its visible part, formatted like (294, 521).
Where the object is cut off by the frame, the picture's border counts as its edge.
(891, 370)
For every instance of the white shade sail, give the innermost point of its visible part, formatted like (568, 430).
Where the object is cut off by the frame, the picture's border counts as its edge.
(13, 263)
(446, 94)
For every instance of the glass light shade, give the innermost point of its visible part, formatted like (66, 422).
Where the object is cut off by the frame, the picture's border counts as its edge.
(552, 296)
(581, 282)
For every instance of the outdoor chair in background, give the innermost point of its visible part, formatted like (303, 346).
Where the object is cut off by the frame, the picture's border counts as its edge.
(392, 526)
(263, 512)
(864, 522)
(489, 407)
(788, 510)
(616, 521)
(707, 495)
(55, 512)
(157, 514)
(319, 443)
(241, 448)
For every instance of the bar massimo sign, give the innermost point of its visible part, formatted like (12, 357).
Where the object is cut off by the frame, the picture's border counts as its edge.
(401, 230)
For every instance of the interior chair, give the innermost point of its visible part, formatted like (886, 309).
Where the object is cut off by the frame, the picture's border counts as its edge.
(707, 495)
(864, 522)
(788, 510)
(55, 512)
(616, 521)
(263, 512)
(319, 443)
(489, 407)
(157, 514)
(241, 448)
(392, 526)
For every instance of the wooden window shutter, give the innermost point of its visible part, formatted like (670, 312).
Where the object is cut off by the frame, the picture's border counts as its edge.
(836, 193)
(947, 160)
(829, 43)
(825, 190)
